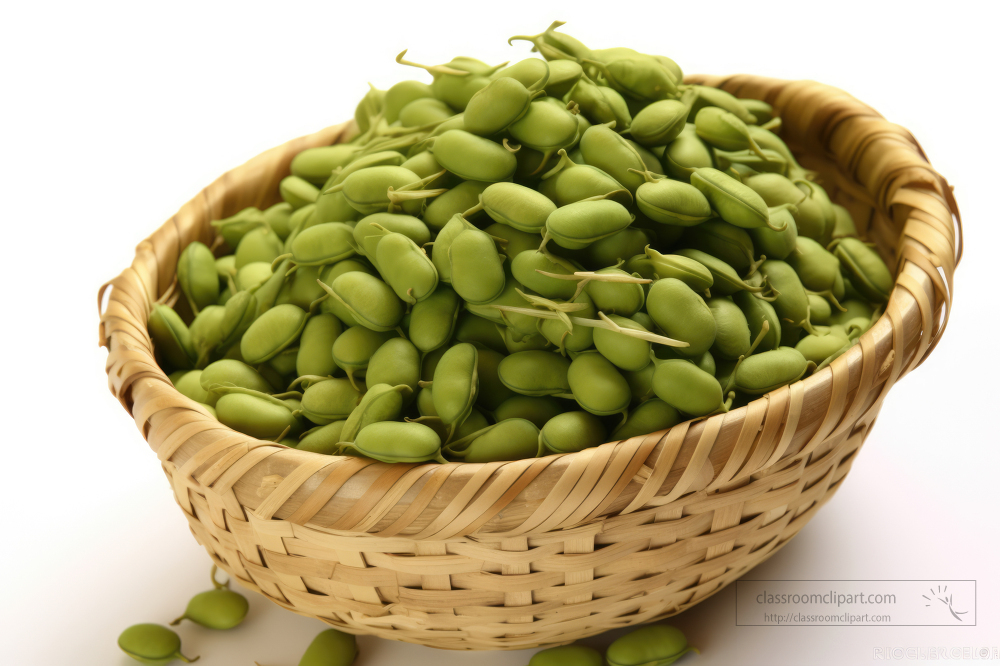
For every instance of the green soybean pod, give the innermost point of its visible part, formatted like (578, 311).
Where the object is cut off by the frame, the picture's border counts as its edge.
(650, 416)
(480, 332)
(689, 271)
(819, 346)
(725, 280)
(302, 288)
(298, 192)
(597, 385)
(648, 157)
(723, 130)
(641, 383)
(369, 108)
(563, 74)
(852, 310)
(425, 402)
(865, 269)
(625, 352)
(455, 201)
(493, 108)
(406, 268)
(513, 241)
(152, 644)
(683, 385)
(617, 247)
(686, 152)
(757, 311)
(331, 206)
(322, 244)
(400, 94)
(535, 373)
(317, 164)
(256, 414)
(735, 202)
(724, 241)
(620, 298)
(381, 402)
(370, 301)
(272, 332)
(233, 228)
(732, 333)
(331, 648)
(556, 331)
(823, 219)
(322, 439)
(424, 111)
(240, 311)
(197, 276)
(171, 337)
(708, 97)
(396, 362)
(477, 273)
(188, 384)
(759, 109)
(408, 225)
(329, 400)
(659, 123)
(260, 244)
(672, 202)
(526, 265)
(513, 439)
(792, 302)
(567, 655)
(577, 225)
(569, 182)
(570, 432)
(456, 383)
(252, 275)
(766, 371)
(219, 608)
(396, 442)
(546, 128)
(818, 269)
(432, 321)
(750, 162)
(682, 315)
(655, 645)
(424, 165)
(225, 266)
(491, 391)
(605, 149)
(207, 333)
(441, 250)
(820, 311)
(844, 223)
(367, 189)
(517, 206)
(777, 244)
(353, 349)
(472, 157)
(232, 373)
(537, 409)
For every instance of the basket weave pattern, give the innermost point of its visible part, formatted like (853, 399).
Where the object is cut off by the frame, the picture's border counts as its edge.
(544, 551)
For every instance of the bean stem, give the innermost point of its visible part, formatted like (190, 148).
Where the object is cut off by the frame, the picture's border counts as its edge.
(596, 323)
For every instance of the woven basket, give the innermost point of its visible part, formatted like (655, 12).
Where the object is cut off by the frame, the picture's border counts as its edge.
(545, 551)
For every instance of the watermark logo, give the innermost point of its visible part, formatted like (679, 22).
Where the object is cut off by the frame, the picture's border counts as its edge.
(921, 603)
(945, 598)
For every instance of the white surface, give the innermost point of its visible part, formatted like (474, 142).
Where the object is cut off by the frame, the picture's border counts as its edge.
(116, 114)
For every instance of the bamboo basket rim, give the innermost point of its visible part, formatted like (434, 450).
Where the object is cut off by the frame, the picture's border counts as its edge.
(924, 261)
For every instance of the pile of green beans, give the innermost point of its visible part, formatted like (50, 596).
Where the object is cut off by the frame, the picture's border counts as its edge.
(516, 261)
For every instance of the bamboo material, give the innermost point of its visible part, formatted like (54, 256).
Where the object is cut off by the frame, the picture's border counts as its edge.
(544, 551)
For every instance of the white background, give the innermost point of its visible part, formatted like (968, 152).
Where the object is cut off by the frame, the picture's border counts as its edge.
(114, 115)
